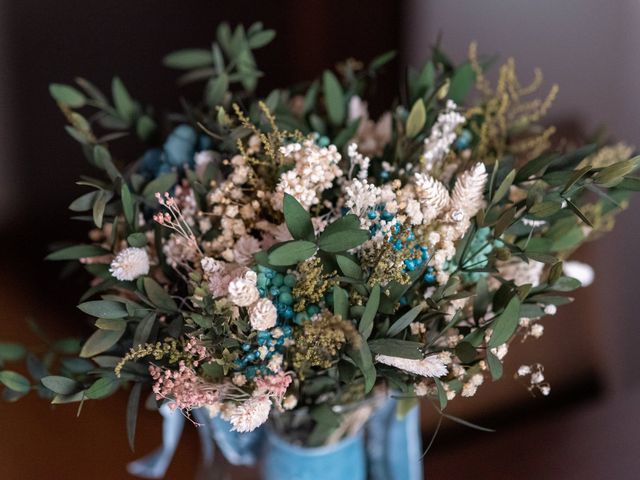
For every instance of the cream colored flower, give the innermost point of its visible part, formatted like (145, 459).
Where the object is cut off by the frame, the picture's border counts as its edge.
(130, 264)
(263, 314)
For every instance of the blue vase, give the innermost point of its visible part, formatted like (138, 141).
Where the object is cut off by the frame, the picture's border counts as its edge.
(344, 460)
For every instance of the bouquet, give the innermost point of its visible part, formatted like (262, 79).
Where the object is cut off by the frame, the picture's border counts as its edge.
(292, 260)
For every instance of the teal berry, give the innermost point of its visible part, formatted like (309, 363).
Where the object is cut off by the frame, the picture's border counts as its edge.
(285, 289)
(313, 310)
(278, 280)
(274, 291)
(180, 146)
(301, 317)
(285, 298)
(262, 280)
(290, 280)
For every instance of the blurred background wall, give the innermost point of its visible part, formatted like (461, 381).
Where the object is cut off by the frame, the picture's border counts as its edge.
(589, 47)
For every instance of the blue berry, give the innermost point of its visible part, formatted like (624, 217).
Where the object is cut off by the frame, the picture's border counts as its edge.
(288, 312)
(285, 298)
(274, 291)
(371, 214)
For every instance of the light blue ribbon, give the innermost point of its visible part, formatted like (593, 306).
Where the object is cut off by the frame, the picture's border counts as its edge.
(393, 444)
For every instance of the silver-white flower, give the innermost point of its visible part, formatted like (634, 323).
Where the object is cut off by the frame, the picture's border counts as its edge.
(431, 366)
(130, 264)
(263, 314)
(249, 415)
(243, 291)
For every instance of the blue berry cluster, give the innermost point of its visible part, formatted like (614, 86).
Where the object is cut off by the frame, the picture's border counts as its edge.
(178, 150)
(276, 287)
(410, 264)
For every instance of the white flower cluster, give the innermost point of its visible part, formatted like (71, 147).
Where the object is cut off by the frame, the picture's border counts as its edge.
(248, 415)
(443, 134)
(537, 382)
(130, 264)
(314, 170)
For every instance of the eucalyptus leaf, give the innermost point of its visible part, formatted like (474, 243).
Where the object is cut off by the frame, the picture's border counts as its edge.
(61, 385)
(292, 252)
(104, 309)
(340, 302)
(394, 347)
(124, 104)
(133, 405)
(298, 219)
(366, 322)
(188, 58)
(14, 381)
(404, 321)
(505, 324)
(103, 387)
(334, 98)
(416, 119)
(349, 267)
(100, 341)
(495, 366)
(161, 184)
(158, 296)
(67, 95)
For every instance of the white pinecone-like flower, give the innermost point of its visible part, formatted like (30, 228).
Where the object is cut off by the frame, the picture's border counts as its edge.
(130, 264)
(263, 314)
(468, 193)
(243, 291)
(432, 195)
(249, 415)
(431, 366)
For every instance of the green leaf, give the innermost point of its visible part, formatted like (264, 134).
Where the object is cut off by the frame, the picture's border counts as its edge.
(566, 284)
(334, 98)
(261, 38)
(381, 60)
(116, 324)
(574, 208)
(397, 348)
(188, 59)
(103, 160)
(104, 309)
(103, 387)
(442, 393)
(14, 381)
(11, 352)
(161, 184)
(145, 126)
(504, 187)
(133, 405)
(138, 240)
(404, 321)
(100, 341)
(143, 330)
(505, 324)
(363, 359)
(340, 302)
(216, 89)
(614, 174)
(554, 273)
(545, 209)
(495, 366)
(67, 95)
(83, 202)
(342, 235)
(98, 208)
(461, 83)
(349, 267)
(297, 219)
(77, 251)
(74, 397)
(417, 118)
(124, 104)
(158, 296)
(366, 322)
(292, 252)
(465, 352)
(534, 166)
(61, 385)
(577, 175)
(630, 183)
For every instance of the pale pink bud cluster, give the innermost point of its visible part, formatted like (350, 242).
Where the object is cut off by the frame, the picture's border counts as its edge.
(183, 387)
